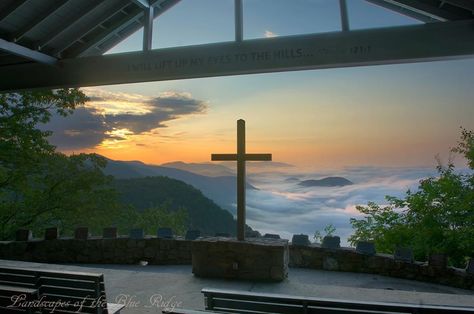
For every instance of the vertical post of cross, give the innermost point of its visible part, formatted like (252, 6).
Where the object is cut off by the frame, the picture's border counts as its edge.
(241, 157)
(240, 180)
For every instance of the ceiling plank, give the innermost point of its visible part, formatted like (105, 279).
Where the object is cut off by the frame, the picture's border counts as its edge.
(84, 29)
(117, 26)
(40, 17)
(69, 24)
(105, 34)
(11, 8)
(404, 44)
(465, 4)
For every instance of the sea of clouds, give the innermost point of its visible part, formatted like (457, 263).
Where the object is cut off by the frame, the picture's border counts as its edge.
(283, 207)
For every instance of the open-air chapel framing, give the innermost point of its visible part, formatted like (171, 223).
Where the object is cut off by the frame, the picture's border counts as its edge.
(61, 43)
(48, 44)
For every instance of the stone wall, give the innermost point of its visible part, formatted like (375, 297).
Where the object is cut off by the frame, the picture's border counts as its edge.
(348, 260)
(156, 251)
(160, 251)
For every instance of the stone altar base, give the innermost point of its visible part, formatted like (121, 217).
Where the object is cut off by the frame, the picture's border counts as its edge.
(252, 259)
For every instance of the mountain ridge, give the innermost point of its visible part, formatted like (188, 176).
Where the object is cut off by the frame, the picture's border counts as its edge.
(222, 189)
(203, 213)
(326, 182)
(205, 169)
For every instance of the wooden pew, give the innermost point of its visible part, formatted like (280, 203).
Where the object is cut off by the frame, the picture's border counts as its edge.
(67, 291)
(10, 295)
(231, 301)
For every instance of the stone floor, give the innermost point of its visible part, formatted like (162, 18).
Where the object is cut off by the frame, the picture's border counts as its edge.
(175, 285)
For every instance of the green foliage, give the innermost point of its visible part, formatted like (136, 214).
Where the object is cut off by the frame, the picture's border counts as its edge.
(20, 114)
(153, 218)
(329, 231)
(175, 195)
(63, 191)
(437, 218)
(382, 224)
(466, 146)
(40, 187)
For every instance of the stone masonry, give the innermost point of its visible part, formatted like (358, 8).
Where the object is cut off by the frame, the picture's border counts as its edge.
(100, 251)
(252, 259)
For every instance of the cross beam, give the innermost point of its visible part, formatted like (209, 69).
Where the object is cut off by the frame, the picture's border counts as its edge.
(404, 44)
(241, 157)
(248, 157)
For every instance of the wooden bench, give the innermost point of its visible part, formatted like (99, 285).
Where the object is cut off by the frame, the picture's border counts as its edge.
(67, 291)
(10, 295)
(229, 301)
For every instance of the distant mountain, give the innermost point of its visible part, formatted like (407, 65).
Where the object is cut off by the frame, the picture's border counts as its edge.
(203, 213)
(221, 190)
(327, 182)
(205, 169)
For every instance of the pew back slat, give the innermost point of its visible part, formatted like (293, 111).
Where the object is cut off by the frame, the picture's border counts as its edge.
(251, 302)
(82, 290)
(9, 293)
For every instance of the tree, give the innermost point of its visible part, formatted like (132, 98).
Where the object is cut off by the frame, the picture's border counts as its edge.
(40, 187)
(437, 218)
(153, 218)
(22, 144)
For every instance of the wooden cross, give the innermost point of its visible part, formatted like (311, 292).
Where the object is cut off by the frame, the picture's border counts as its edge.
(241, 157)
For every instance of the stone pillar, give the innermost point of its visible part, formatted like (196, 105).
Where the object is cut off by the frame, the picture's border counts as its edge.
(109, 233)
(403, 255)
(438, 260)
(252, 259)
(81, 233)
(300, 239)
(470, 266)
(23, 235)
(365, 247)
(331, 242)
(51, 233)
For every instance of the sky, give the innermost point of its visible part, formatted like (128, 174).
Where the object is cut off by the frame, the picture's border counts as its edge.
(392, 115)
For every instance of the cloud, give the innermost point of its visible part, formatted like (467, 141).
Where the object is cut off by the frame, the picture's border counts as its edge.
(167, 107)
(118, 116)
(84, 128)
(281, 206)
(270, 34)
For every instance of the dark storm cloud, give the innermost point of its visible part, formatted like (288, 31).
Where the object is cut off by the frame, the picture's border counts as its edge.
(88, 126)
(84, 128)
(162, 109)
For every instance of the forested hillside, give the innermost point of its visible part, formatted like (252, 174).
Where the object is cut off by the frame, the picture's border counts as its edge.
(203, 213)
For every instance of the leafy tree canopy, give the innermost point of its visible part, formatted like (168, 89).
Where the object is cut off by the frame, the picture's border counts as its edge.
(40, 187)
(437, 218)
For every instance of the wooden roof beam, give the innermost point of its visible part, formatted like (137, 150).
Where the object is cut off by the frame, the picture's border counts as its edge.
(418, 10)
(392, 45)
(27, 53)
